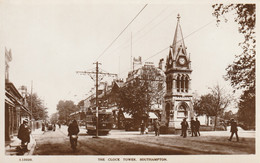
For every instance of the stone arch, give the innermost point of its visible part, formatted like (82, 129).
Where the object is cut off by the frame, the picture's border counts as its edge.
(182, 110)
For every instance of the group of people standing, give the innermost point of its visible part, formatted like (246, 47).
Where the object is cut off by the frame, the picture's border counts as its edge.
(194, 125)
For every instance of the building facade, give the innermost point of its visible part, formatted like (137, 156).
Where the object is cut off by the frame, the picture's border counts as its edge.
(15, 106)
(178, 96)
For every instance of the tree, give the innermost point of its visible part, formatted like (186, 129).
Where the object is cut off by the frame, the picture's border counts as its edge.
(54, 118)
(39, 112)
(228, 115)
(142, 92)
(133, 100)
(213, 104)
(241, 73)
(203, 106)
(65, 108)
(247, 100)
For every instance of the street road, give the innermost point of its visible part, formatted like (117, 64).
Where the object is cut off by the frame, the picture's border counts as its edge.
(119, 142)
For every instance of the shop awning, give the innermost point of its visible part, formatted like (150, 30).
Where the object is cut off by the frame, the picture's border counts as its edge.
(8, 101)
(152, 116)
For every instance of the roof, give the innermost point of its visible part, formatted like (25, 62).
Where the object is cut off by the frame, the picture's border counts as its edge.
(178, 41)
(11, 100)
(119, 84)
(11, 89)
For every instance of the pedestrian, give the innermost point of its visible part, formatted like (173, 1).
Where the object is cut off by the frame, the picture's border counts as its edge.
(43, 127)
(192, 126)
(197, 127)
(233, 129)
(24, 134)
(157, 127)
(54, 126)
(142, 128)
(59, 124)
(146, 130)
(73, 129)
(184, 127)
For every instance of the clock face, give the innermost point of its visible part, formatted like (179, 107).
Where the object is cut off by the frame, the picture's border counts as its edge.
(182, 61)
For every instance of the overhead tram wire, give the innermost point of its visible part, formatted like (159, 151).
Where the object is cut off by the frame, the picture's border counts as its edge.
(125, 44)
(176, 42)
(181, 39)
(121, 32)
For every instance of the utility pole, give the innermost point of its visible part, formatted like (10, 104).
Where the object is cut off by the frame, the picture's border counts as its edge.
(97, 73)
(97, 98)
(31, 106)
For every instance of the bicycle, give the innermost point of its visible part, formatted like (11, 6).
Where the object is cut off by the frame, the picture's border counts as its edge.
(73, 142)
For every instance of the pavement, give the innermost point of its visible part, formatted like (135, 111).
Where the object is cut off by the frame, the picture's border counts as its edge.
(10, 146)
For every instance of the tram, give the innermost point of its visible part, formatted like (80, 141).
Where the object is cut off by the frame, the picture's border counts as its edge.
(105, 122)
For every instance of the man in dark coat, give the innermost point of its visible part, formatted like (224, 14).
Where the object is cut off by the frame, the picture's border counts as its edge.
(197, 127)
(24, 134)
(142, 128)
(73, 129)
(157, 127)
(43, 127)
(192, 126)
(233, 129)
(184, 127)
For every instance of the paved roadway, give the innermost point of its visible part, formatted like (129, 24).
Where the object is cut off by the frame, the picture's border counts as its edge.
(119, 142)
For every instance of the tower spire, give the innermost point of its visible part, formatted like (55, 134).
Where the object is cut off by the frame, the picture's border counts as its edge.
(178, 41)
(178, 17)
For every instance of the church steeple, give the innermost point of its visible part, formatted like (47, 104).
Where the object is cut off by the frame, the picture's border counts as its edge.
(178, 41)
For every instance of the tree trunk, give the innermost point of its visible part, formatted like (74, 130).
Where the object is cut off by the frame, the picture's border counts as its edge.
(215, 125)
(207, 120)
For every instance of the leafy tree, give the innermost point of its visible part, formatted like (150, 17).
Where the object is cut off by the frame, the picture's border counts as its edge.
(35, 104)
(228, 115)
(54, 117)
(65, 108)
(241, 73)
(142, 92)
(134, 100)
(247, 100)
(213, 104)
(203, 106)
(80, 103)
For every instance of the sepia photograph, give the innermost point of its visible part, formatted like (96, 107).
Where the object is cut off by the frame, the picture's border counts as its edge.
(128, 81)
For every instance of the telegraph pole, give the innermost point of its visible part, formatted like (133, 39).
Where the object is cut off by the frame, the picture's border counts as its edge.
(97, 73)
(31, 123)
(97, 98)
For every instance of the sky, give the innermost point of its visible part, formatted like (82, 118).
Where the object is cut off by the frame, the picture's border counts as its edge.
(51, 40)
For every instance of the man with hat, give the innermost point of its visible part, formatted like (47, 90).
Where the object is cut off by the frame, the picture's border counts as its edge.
(192, 126)
(233, 129)
(24, 134)
(184, 127)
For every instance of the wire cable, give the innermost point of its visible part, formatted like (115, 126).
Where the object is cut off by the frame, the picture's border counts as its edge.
(121, 32)
(176, 42)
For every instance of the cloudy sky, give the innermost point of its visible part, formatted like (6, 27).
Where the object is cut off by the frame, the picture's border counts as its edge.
(51, 40)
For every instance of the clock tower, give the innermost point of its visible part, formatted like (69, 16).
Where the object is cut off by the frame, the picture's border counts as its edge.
(178, 97)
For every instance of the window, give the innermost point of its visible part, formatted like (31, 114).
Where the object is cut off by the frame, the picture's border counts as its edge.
(182, 84)
(178, 83)
(186, 84)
